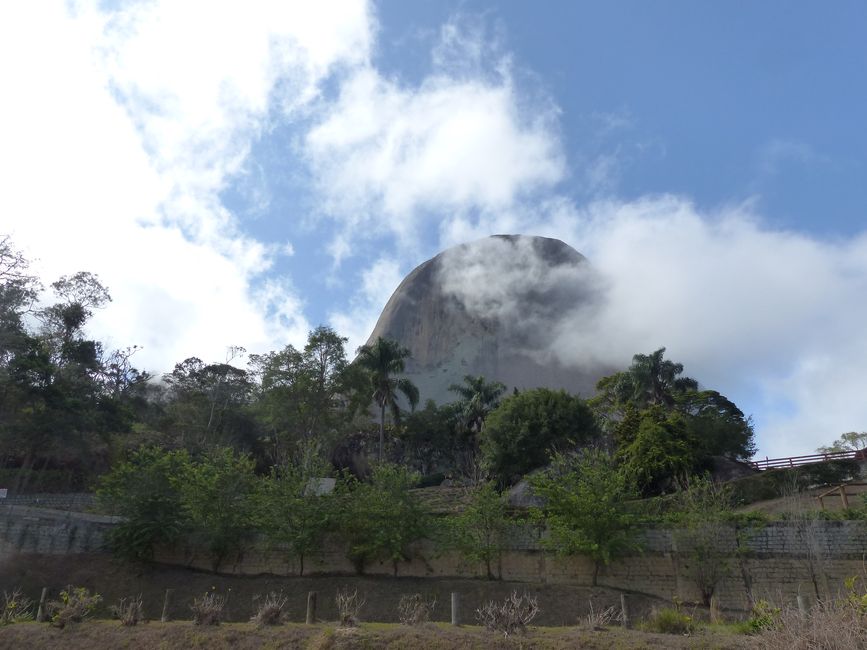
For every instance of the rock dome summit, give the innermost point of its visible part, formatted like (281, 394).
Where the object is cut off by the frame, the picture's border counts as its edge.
(493, 307)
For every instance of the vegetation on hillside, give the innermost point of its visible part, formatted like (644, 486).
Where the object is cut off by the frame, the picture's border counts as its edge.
(219, 453)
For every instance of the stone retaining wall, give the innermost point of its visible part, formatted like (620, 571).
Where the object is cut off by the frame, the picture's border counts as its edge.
(777, 561)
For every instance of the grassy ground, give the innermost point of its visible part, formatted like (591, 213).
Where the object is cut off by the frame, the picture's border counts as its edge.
(99, 635)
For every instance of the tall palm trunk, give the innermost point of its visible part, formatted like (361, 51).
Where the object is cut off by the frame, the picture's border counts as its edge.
(381, 429)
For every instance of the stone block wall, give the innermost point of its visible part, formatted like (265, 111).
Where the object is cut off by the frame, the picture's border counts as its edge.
(25, 529)
(777, 561)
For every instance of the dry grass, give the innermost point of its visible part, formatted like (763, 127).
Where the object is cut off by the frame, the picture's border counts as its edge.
(103, 635)
(413, 609)
(129, 611)
(269, 610)
(348, 607)
(834, 626)
(208, 609)
(17, 608)
(511, 616)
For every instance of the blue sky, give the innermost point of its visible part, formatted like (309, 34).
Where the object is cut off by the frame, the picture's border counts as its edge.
(239, 173)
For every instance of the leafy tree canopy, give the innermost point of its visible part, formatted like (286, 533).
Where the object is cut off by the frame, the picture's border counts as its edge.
(714, 424)
(585, 507)
(526, 428)
(850, 441)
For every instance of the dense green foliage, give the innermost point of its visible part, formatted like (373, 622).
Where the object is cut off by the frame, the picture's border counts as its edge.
(381, 362)
(522, 432)
(222, 451)
(586, 507)
(292, 511)
(664, 426)
(380, 519)
(217, 498)
(145, 491)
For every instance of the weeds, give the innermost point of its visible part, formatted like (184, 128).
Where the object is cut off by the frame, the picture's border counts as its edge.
(208, 609)
(512, 616)
(17, 608)
(669, 620)
(348, 607)
(129, 611)
(414, 609)
(599, 619)
(838, 624)
(269, 610)
(75, 605)
(763, 617)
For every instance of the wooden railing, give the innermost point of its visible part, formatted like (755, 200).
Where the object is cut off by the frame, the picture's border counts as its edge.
(795, 461)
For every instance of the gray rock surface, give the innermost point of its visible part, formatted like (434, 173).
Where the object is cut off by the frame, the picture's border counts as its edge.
(491, 308)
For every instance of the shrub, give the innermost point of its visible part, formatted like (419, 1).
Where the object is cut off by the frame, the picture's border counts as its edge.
(129, 611)
(829, 625)
(75, 605)
(145, 491)
(414, 609)
(348, 607)
(763, 617)
(669, 620)
(512, 616)
(208, 609)
(17, 608)
(599, 619)
(270, 609)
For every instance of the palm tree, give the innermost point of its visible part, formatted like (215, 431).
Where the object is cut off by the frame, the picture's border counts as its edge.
(478, 398)
(381, 361)
(653, 380)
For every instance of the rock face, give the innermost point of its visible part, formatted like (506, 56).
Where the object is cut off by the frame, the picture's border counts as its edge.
(495, 307)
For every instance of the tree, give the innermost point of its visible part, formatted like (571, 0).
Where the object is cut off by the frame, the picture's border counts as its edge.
(217, 498)
(145, 491)
(291, 511)
(381, 519)
(478, 397)
(207, 401)
(382, 361)
(299, 394)
(522, 432)
(659, 452)
(701, 522)
(431, 437)
(716, 426)
(585, 509)
(479, 531)
(850, 441)
(651, 380)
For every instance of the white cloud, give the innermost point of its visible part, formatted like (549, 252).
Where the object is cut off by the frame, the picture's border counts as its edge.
(385, 154)
(119, 130)
(772, 318)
